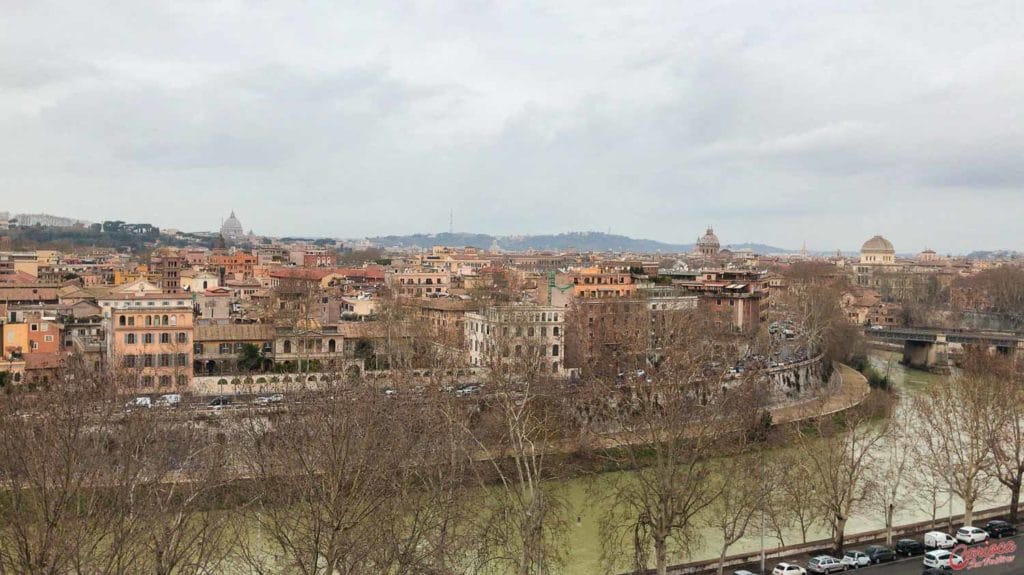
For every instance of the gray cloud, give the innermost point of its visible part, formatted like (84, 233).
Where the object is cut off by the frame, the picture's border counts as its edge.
(776, 122)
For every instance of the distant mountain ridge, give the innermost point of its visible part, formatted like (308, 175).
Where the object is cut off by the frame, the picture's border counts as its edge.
(581, 241)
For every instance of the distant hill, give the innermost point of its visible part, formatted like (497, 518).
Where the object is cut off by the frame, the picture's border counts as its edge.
(581, 241)
(995, 255)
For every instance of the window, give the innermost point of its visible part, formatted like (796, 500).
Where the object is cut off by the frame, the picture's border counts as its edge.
(530, 332)
(544, 332)
(120, 320)
(147, 360)
(34, 345)
(165, 380)
(131, 321)
(165, 360)
(34, 327)
(554, 331)
(44, 327)
(554, 350)
(149, 320)
(225, 348)
(182, 381)
(48, 338)
(147, 380)
(129, 338)
(129, 361)
(182, 359)
(182, 337)
(147, 338)
(165, 338)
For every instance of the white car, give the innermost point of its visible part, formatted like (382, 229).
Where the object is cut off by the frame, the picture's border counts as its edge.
(268, 399)
(941, 559)
(788, 569)
(825, 564)
(855, 559)
(969, 534)
(140, 401)
(169, 399)
(938, 540)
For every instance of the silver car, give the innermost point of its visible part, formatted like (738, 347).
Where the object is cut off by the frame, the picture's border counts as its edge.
(825, 564)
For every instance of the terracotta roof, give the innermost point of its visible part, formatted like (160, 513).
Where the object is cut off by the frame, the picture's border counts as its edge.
(234, 332)
(27, 293)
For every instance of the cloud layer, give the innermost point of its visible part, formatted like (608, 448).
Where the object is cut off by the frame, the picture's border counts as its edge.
(779, 122)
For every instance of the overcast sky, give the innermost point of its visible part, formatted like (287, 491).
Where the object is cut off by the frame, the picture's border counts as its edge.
(776, 122)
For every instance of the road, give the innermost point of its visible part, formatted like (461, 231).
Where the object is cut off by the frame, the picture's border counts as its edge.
(913, 565)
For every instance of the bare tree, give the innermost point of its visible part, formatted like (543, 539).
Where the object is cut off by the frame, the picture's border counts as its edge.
(836, 453)
(671, 422)
(889, 476)
(512, 437)
(955, 446)
(793, 501)
(740, 497)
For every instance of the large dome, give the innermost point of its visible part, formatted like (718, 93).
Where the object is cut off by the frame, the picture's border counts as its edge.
(232, 228)
(709, 239)
(878, 245)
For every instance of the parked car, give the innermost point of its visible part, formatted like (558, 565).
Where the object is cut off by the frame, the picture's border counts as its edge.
(220, 402)
(269, 399)
(465, 390)
(938, 540)
(169, 400)
(998, 528)
(855, 559)
(879, 553)
(743, 572)
(909, 547)
(788, 569)
(970, 534)
(824, 564)
(139, 402)
(941, 559)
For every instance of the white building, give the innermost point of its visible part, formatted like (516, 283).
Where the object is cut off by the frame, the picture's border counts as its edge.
(517, 330)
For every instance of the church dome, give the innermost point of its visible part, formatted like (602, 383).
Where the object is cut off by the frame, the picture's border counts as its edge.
(232, 228)
(709, 239)
(878, 245)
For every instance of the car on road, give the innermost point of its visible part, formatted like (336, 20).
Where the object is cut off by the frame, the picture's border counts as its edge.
(169, 400)
(269, 399)
(855, 559)
(788, 569)
(970, 534)
(141, 401)
(465, 390)
(219, 403)
(825, 564)
(998, 528)
(909, 547)
(879, 553)
(941, 559)
(938, 540)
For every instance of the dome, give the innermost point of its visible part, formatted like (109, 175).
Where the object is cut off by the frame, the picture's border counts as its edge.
(232, 228)
(878, 245)
(709, 239)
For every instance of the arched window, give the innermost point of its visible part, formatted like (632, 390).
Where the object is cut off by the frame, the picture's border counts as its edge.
(121, 320)
(174, 320)
(331, 346)
(149, 320)
(165, 322)
(287, 346)
(204, 284)
(131, 320)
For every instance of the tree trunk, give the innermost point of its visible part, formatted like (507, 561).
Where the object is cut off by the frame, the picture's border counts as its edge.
(968, 510)
(1014, 501)
(661, 556)
(888, 524)
(839, 535)
(721, 559)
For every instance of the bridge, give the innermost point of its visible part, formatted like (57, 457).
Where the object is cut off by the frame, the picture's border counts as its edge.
(930, 348)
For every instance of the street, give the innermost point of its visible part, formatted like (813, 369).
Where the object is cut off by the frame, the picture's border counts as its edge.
(913, 566)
